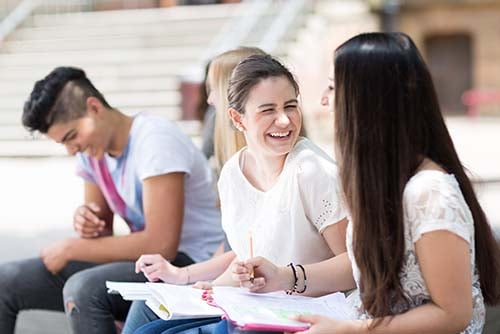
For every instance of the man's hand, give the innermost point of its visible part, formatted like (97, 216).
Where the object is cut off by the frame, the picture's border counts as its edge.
(55, 256)
(86, 222)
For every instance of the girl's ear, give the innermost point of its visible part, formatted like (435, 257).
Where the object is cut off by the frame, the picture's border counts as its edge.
(236, 118)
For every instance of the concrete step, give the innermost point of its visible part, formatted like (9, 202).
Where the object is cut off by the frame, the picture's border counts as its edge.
(153, 69)
(136, 16)
(107, 42)
(126, 54)
(163, 27)
(106, 85)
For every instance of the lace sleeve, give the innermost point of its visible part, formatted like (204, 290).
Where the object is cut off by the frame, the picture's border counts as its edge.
(320, 192)
(434, 202)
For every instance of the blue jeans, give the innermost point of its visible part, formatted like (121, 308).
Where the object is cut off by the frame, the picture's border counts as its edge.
(80, 286)
(138, 315)
(79, 290)
(185, 326)
(225, 327)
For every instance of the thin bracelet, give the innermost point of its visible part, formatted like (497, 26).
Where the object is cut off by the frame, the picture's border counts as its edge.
(305, 279)
(187, 273)
(294, 288)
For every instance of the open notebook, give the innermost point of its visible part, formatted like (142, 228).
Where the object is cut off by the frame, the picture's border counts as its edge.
(272, 311)
(166, 300)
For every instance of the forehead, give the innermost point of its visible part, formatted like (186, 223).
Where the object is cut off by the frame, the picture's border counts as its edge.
(272, 88)
(58, 130)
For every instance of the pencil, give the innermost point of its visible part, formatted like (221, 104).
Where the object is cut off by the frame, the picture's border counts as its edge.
(250, 247)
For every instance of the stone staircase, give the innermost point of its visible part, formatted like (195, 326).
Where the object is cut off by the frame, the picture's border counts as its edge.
(136, 58)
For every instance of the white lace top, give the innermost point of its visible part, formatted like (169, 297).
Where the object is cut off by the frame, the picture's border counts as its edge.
(432, 201)
(286, 221)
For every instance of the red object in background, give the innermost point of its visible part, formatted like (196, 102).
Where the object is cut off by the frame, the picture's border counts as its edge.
(473, 98)
(190, 99)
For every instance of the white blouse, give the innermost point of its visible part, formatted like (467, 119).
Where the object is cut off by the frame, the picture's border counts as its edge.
(286, 222)
(432, 201)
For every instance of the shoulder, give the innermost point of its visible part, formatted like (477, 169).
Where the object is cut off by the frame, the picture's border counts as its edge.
(230, 168)
(431, 185)
(432, 200)
(157, 133)
(311, 161)
(145, 125)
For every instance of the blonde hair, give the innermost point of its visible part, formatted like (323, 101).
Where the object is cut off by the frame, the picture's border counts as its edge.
(227, 141)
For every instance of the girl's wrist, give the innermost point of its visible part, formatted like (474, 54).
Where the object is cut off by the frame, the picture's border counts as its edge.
(287, 278)
(186, 275)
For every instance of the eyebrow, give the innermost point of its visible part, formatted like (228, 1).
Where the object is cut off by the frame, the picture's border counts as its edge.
(68, 134)
(265, 105)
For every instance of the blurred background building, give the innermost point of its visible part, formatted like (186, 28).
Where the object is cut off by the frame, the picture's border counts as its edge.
(149, 55)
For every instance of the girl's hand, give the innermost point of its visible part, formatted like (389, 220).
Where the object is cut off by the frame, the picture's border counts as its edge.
(156, 268)
(203, 285)
(267, 276)
(208, 290)
(325, 325)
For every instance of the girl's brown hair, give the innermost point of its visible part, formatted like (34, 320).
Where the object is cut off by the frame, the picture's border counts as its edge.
(387, 120)
(227, 141)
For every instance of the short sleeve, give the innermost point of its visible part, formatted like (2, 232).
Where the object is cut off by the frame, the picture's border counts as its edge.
(83, 168)
(160, 152)
(434, 202)
(320, 191)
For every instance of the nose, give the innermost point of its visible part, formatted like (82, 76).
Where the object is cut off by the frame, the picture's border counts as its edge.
(324, 98)
(210, 99)
(71, 149)
(282, 119)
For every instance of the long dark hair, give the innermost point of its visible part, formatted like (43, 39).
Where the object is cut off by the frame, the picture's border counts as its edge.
(387, 121)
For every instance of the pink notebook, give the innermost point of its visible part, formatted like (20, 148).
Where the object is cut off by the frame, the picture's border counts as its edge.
(273, 311)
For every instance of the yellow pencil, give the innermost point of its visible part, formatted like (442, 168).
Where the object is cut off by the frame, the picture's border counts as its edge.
(250, 246)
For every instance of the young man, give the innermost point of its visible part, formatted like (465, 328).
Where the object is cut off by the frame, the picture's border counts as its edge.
(141, 168)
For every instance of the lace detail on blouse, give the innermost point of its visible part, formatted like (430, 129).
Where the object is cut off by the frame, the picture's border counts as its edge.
(432, 201)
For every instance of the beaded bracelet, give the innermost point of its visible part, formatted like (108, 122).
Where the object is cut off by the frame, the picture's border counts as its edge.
(294, 288)
(305, 279)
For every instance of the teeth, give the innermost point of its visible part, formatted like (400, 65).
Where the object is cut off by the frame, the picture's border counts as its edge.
(279, 134)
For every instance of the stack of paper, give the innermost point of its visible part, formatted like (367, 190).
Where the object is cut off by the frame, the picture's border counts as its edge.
(268, 311)
(166, 300)
(129, 291)
(272, 311)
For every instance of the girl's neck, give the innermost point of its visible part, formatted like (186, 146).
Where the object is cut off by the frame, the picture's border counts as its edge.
(262, 171)
(119, 126)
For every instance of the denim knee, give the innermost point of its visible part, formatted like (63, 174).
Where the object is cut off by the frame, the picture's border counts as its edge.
(80, 292)
(9, 280)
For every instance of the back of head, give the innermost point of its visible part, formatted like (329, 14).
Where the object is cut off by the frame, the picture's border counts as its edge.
(227, 141)
(387, 119)
(59, 97)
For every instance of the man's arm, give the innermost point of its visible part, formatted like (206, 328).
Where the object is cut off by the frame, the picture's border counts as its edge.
(94, 218)
(163, 200)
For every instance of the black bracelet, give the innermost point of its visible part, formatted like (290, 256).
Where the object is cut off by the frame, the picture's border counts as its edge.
(294, 288)
(305, 279)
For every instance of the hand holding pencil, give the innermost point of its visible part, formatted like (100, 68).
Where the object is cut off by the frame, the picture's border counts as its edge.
(258, 274)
